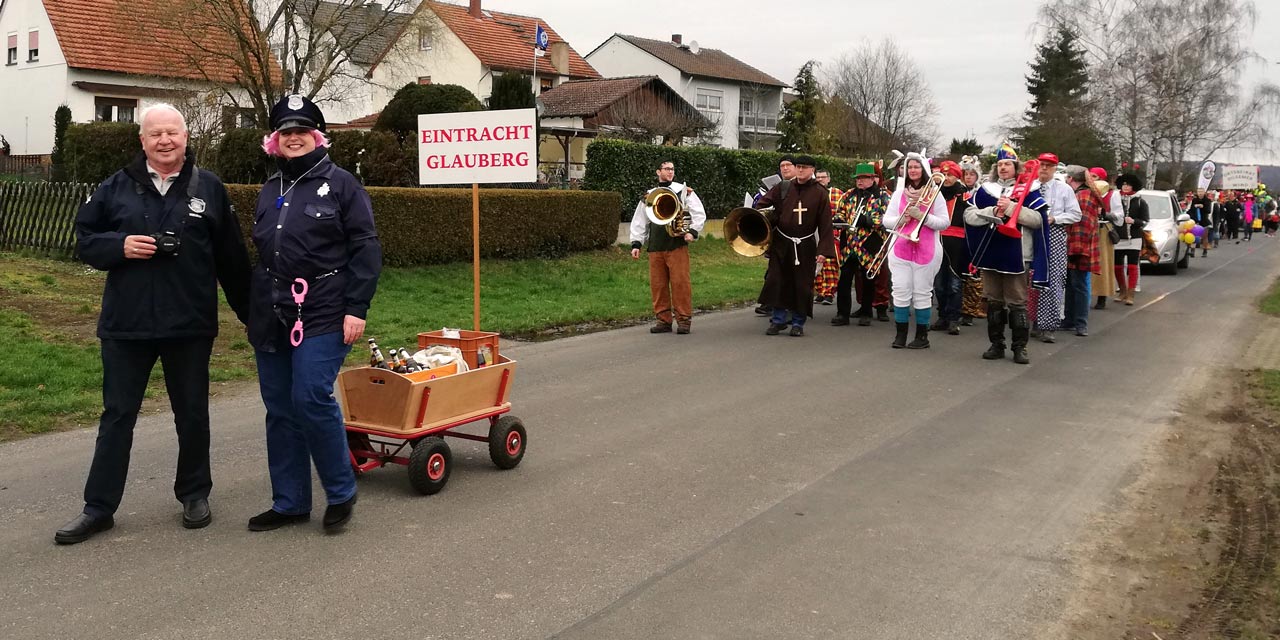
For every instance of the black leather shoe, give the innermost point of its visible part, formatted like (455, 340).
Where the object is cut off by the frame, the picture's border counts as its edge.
(797, 331)
(196, 513)
(774, 329)
(271, 519)
(864, 321)
(882, 314)
(82, 528)
(337, 515)
(764, 310)
(840, 321)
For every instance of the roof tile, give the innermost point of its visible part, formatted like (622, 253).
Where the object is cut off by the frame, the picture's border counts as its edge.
(707, 63)
(505, 40)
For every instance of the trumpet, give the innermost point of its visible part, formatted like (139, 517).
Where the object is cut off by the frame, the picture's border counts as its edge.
(662, 207)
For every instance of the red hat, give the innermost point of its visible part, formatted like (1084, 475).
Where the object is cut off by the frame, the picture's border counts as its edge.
(951, 169)
(1049, 158)
(1099, 173)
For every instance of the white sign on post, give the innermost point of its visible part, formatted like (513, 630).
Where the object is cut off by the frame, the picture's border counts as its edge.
(1240, 177)
(478, 147)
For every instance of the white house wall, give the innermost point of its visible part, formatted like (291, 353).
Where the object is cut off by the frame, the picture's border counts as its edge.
(32, 90)
(448, 62)
(618, 58)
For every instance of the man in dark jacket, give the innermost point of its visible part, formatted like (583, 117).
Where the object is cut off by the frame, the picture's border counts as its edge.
(165, 233)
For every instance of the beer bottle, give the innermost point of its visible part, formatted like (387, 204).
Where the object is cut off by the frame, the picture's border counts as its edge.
(375, 356)
(409, 363)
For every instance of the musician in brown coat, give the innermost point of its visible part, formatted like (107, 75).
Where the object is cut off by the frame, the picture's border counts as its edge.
(802, 237)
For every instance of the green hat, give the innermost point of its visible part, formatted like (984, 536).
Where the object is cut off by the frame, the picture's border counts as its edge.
(864, 170)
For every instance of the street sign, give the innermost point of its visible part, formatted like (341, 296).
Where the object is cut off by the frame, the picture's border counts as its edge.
(480, 147)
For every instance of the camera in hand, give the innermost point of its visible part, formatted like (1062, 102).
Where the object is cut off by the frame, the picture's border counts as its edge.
(167, 243)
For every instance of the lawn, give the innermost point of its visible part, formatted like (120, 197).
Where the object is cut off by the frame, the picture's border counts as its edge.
(1270, 303)
(50, 372)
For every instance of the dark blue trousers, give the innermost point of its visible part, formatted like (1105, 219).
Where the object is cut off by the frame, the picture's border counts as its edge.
(126, 368)
(304, 422)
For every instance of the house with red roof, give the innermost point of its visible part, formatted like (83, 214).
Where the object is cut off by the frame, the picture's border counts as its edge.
(744, 101)
(105, 59)
(444, 43)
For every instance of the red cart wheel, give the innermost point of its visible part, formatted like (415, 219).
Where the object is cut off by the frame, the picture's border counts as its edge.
(430, 465)
(507, 442)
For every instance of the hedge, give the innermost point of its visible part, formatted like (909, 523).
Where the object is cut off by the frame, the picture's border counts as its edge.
(239, 157)
(432, 226)
(720, 176)
(95, 150)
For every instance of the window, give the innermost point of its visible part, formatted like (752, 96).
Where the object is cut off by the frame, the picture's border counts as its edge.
(710, 99)
(424, 79)
(233, 118)
(114, 109)
(424, 39)
(545, 83)
(33, 46)
(746, 105)
(13, 49)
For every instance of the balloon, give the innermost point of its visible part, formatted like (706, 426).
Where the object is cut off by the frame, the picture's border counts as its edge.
(1186, 226)
(1197, 231)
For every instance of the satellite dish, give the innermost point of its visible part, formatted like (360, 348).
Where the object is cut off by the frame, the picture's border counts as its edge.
(693, 47)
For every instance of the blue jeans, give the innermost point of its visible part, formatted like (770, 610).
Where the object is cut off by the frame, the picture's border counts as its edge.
(1077, 300)
(304, 423)
(947, 290)
(780, 317)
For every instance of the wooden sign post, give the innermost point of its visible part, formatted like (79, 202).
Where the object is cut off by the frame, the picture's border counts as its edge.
(478, 147)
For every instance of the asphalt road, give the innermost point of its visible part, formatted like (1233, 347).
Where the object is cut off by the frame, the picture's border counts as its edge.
(724, 484)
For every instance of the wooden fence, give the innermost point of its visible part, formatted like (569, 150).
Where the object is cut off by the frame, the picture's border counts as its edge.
(40, 216)
(36, 167)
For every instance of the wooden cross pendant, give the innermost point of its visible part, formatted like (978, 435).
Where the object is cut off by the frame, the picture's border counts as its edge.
(800, 212)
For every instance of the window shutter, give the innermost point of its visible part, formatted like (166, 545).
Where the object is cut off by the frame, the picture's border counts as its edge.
(33, 40)
(13, 41)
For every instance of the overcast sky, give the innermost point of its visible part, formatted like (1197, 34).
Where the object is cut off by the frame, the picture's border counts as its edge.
(974, 54)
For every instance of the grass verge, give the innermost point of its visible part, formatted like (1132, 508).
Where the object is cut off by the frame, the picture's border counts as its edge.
(1270, 303)
(50, 370)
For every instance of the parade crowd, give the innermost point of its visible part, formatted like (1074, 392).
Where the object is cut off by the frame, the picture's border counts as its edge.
(1031, 247)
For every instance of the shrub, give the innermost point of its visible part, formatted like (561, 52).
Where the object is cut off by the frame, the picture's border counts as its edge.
(376, 157)
(95, 150)
(720, 176)
(61, 120)
(400, 116)
(512, 91)
(432, 226)
(239, 157)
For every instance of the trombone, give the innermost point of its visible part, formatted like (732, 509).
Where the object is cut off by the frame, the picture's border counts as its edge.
(924, 202)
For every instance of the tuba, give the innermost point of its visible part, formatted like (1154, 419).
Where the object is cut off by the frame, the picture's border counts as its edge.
(748, 231)
(662, 207)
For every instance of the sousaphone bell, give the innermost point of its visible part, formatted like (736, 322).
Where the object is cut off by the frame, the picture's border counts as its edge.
(748, 231)
(662, 207)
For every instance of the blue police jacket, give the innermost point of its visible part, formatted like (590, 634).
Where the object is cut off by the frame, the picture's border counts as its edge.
(313, 221)
(167, 296)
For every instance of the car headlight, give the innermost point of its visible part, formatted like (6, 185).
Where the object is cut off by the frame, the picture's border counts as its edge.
(1159, 236)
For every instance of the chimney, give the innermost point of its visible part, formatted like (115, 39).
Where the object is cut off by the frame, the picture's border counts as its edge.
(560, 57)
(475, 10)
(677, 39)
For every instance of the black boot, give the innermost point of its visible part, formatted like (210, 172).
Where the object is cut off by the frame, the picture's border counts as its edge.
(900, 338)
(1021, 330)
(922, 338)
(1102, 303)
(995, 331)
(882, 314)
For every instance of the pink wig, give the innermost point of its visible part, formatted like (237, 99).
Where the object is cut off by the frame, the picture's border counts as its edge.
(271, 143)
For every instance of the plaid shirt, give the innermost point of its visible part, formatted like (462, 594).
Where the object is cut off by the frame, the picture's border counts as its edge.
(1082, 237)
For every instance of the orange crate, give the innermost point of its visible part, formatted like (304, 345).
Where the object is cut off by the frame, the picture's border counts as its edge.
(469, 342)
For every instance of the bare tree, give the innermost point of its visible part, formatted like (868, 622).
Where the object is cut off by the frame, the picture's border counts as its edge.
(322, 49)
(645, 118)
(889, 104)
(1168, 75)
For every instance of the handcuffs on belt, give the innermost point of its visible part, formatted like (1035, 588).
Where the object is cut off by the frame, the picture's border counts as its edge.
(295, 334)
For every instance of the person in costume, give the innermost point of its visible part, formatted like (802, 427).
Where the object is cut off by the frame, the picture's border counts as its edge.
(669, 282)
(1128, 249)
(914, 264)
(1103, 283)
(1047, 304)
(973, 304)
(786, 172)
(1082, 250)
(1202, 209)
(824, 284)
(800, 215)
(947, 285)
(1003, 260)
(863, 208)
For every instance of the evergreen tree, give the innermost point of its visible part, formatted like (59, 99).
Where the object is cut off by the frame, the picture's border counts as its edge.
(511, 91)
(1060, 117)
(965, 147)
(799, 120)
(400, 116)
(61, 120)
